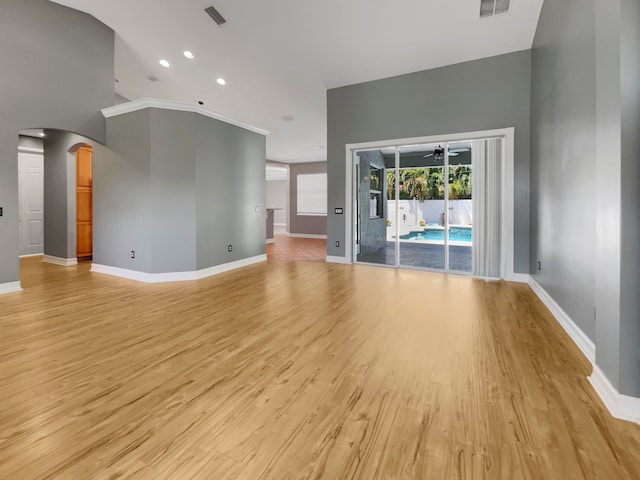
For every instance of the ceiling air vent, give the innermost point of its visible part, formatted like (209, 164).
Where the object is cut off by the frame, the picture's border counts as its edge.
(489, 8)
(152, 78)
(215, 14)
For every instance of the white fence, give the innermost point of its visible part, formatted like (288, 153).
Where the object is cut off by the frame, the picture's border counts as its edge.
(412, 212)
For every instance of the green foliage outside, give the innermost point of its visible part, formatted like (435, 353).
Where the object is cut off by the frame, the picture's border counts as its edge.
(428, 183)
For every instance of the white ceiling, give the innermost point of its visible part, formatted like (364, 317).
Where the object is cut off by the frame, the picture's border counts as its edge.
(280, 56)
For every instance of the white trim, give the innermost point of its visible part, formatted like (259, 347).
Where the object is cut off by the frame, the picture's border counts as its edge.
(143, 103)
(620, 406)
(307, 235)
(583, 342)
(279, 224)
(10, 287)
(508, 197)
(519, 278)
(125, 273)
(63, 262)
(341, 260)
(31, 255)
(225, 267)
(176, 276)
(22, 149)
(270, 241)
(349, 206)
(508, 206)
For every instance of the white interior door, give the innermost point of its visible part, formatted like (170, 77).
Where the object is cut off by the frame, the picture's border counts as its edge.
(31, 203)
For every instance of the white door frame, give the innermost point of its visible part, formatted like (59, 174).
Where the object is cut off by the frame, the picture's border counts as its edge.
(508, 190)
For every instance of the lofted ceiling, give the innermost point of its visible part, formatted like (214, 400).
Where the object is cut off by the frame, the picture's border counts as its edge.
(280, 56)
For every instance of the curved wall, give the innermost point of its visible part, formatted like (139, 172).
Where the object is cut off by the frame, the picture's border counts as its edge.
(57, 72)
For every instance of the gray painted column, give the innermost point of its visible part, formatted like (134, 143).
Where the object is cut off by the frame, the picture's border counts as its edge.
(608, 194)
(630, 183)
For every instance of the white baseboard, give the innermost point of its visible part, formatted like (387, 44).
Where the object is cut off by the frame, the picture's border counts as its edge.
(519, 277)
(270, 241)
(620, 406)
(226, 267)
(10, 287)
(341, 260)
(64, 262)
(279, 224)
(31, 255)
(142, 276)
(307, 235)
(176, 276)
(583, 342)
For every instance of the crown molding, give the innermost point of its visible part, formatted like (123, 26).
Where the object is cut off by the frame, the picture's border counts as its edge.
(143, 103)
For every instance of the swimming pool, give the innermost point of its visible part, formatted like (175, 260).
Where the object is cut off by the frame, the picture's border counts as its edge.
(456, 234)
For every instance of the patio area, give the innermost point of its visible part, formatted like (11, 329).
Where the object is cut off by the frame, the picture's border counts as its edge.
(422, 255)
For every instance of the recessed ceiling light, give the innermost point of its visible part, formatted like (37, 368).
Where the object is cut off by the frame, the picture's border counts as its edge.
(164, 63)
(41, 134)
(221, 81)
(188, 54)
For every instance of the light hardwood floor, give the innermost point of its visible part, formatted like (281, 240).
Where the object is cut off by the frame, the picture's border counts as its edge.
(296, 371)
(294, 249)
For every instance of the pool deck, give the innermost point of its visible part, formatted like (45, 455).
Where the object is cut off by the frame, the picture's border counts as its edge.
(422, 255)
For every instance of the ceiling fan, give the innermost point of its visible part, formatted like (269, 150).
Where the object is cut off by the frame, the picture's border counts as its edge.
(453, 152)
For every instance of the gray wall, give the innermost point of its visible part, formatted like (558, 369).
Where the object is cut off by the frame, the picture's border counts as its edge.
(608, 193)
(172, 201)
(119, 99)
(563, 155)
(60, 189)
(122, 195)
(178, 189)
(30, 142)
(231, 185)
(630, 177)
(585, 171)
(277, 191)
(304, 224)
(479, 95)
(57, 72)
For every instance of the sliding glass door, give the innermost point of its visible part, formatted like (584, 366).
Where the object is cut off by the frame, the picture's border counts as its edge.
(421, 205)
(436, 206)
(460, 207)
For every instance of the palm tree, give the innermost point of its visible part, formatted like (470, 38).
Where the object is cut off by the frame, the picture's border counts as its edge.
(436, 184)
(391, 185)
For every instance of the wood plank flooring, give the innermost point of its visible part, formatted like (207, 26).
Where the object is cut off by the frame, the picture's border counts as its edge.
(301, 370)
(294, 249)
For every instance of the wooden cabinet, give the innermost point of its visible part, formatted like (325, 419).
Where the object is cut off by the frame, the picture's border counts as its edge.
(84, 203)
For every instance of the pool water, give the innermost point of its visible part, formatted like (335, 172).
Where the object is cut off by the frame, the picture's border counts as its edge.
(456, 234)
